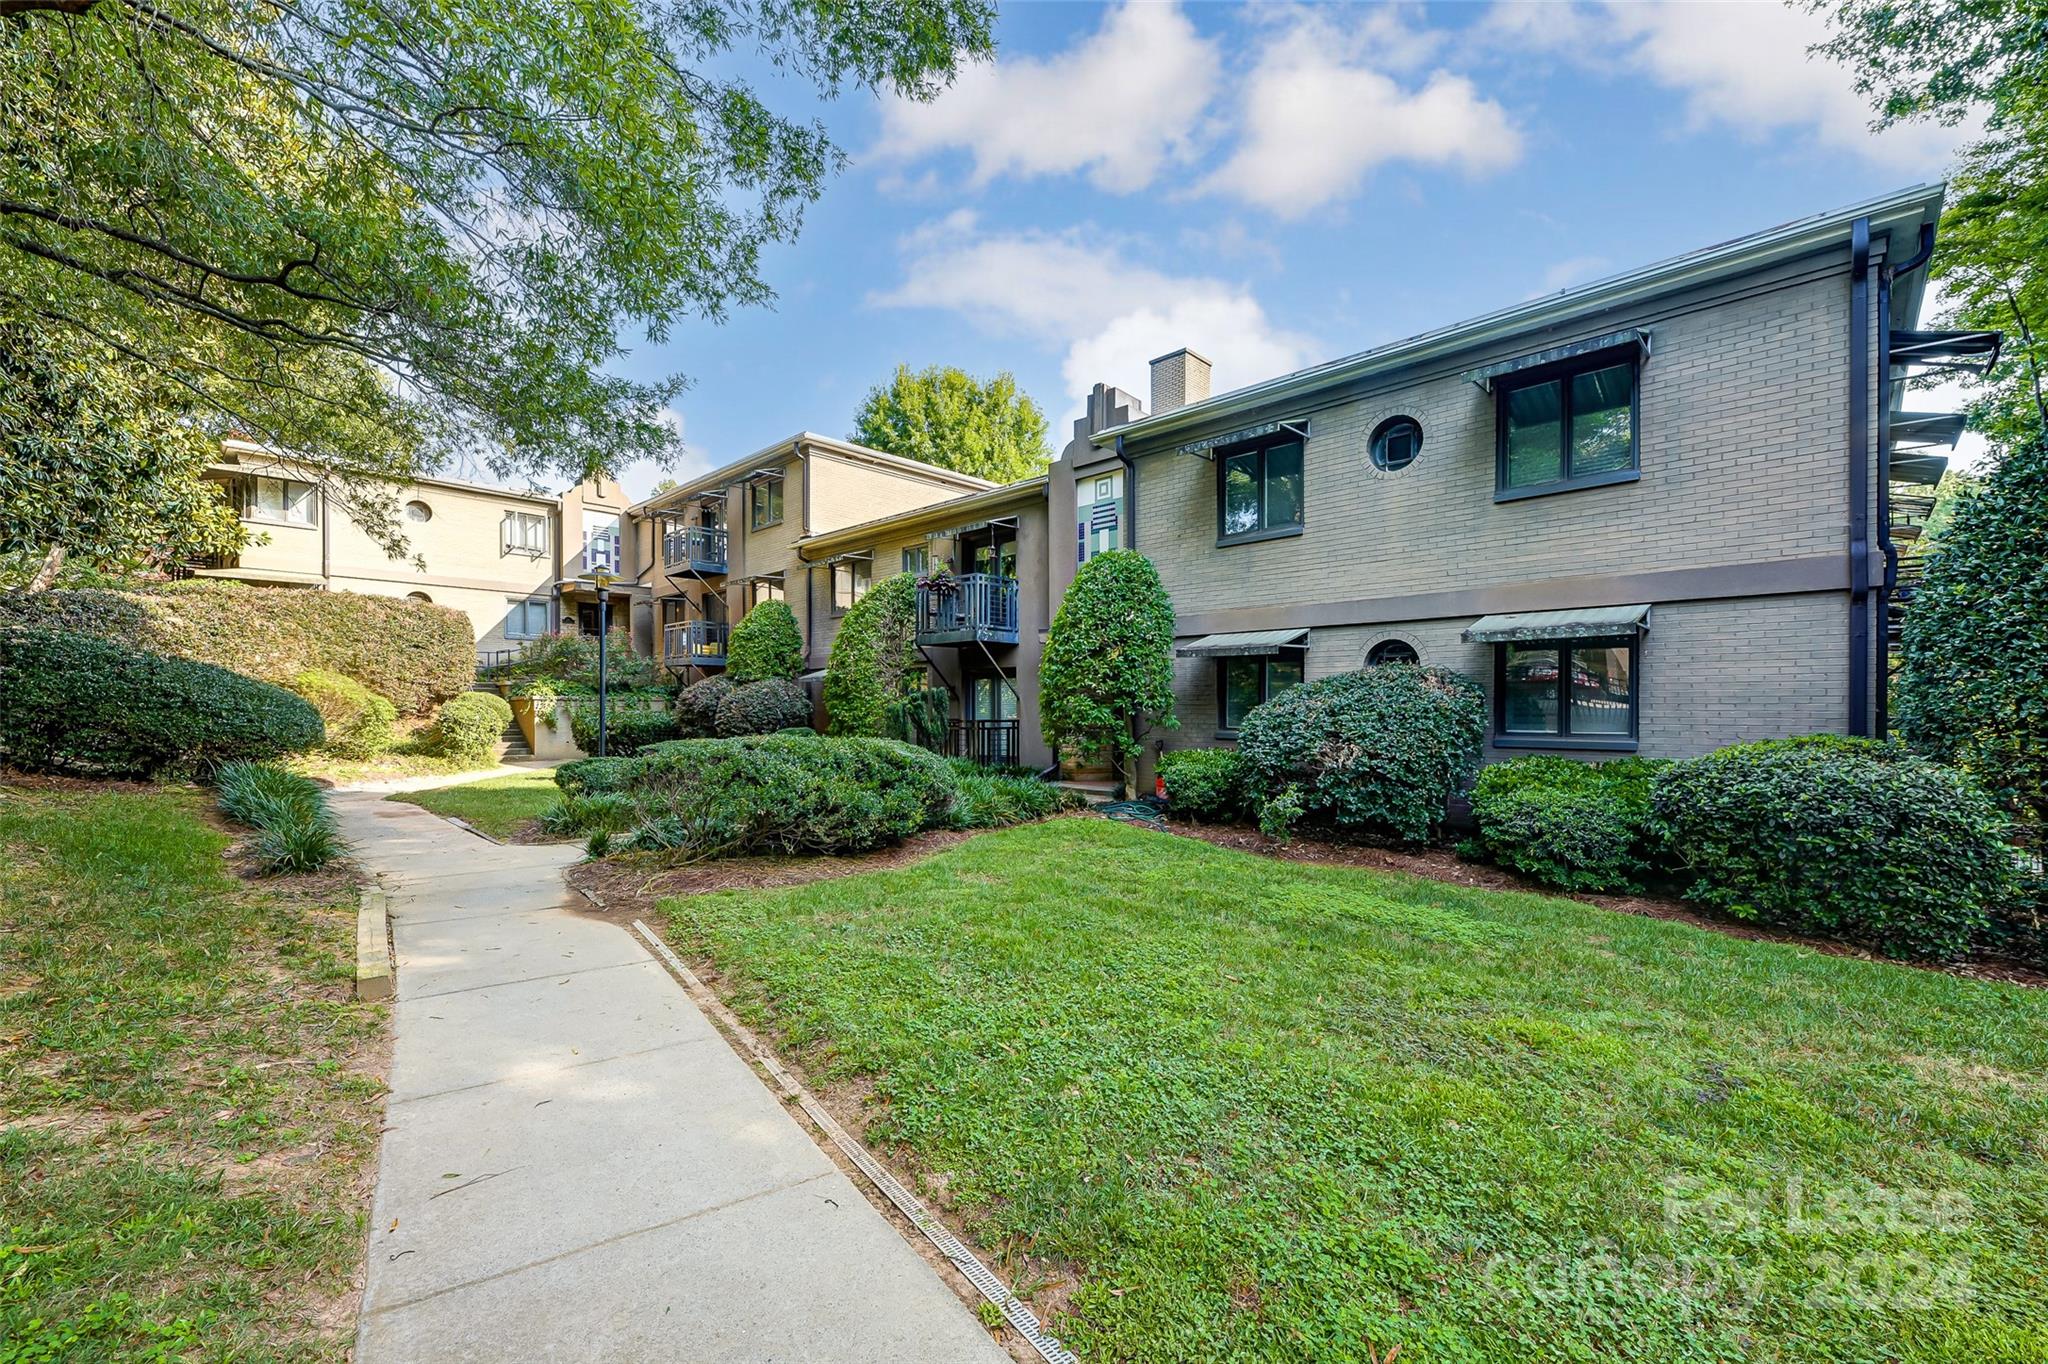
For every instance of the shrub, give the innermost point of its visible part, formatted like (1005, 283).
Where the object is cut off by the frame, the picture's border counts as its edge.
(1107, 670)
(874, 658)
(294, 829)
(1375, 753)
(919, 717)
(1575, 825)
(358, 720)
(1848, 838)
(77, 703)
(1204, 783)
(594, 776)
(607, 812)
(470, 726)
(696, 708)
(415, 653)
(629, 727)
(763, 708)
(765, 644)
(989, 799)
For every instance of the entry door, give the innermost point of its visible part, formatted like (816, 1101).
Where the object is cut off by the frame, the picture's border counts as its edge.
(586, 617)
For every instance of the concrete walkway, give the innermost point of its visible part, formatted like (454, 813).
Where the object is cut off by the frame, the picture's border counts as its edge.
(576, 1166)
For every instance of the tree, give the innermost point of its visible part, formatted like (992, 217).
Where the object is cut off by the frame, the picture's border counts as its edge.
(945, 416)
(874, 658)
(765, 645)
(386, 235)
(1107, 671)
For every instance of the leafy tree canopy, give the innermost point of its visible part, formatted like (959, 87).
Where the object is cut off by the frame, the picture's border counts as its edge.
(945, 416)
(1107, 670)
(388, 234)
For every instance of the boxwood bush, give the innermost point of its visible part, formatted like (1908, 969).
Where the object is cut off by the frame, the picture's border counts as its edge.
(1204, 784)
(470, 726)
(630, 725)
(696, 706)
(874, 659)
(762, 708)
(77, 703)
(765, 644)
(1846, 838)
(1575, 825)
(593, 776)
(359, 722)
(1370, 754)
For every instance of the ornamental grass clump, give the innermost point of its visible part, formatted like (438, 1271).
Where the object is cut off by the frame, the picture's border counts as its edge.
(295, 831)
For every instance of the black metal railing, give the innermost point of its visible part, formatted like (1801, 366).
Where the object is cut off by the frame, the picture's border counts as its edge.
(967, 609)
(992, 743)
(703, 548)
(693, 644)
(493, 661)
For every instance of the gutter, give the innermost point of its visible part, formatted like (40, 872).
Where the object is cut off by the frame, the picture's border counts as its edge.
(1885, 276)
(1130, 491)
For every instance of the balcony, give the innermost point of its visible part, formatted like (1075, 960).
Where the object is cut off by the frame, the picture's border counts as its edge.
(698, 549)
(992, 743)
(693, 644)
(973, 608)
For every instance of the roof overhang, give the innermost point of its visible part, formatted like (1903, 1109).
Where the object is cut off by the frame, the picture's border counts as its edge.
(1592, 622)
(1245, 644)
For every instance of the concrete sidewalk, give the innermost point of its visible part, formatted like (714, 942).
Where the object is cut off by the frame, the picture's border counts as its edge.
(575, 1164)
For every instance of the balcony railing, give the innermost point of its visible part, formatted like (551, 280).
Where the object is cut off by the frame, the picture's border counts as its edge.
(693, 644)
(699, 548)
(968, 609)
(992, 743)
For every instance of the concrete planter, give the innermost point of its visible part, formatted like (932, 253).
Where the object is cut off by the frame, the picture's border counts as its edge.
(556, 741)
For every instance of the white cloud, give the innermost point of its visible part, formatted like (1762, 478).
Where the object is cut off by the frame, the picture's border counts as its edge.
(1122, 103)
(1087, 298)
(1319, 113)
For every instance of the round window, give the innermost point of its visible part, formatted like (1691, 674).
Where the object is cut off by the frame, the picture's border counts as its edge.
(1391, 651)
(418, 511)
(1395, 444)
(418, 596)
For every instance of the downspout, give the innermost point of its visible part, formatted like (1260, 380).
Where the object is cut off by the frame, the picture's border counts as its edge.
(1859, 478)
(1130, 491)
(1885, 276)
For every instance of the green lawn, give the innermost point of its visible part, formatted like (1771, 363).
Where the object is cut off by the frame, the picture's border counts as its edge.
(1267, 1111)
(188, 1101)
(500, 806)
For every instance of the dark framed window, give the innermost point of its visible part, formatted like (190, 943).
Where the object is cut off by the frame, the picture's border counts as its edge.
(1243, 684)
(1395, 444)
(1259, 490)
(1564, 426)
(850, 579)
(1566, 693)
(916, 559)
(1391, 651)
(765, 498)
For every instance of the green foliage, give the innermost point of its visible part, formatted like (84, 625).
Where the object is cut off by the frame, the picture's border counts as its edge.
(358, 720)
(629, 726)
(1580, 826)
(480, 200)
(1107, 670)
(469, 726)
(1204, 784)
(763, 708)
(77, 703)
(606, 812)
(569, 661)
(696, 706)
(1374, 753)
(1280, 812)
(988, 799)
(1847, 838)
(945, 416)
(919, 717)
(765, 644)
(295, 830)
(415, 653)
(874, 658)
(593, 776)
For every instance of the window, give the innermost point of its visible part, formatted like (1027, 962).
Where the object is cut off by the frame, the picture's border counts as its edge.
(1574, 429)
(917, 559)
(764, 589)
(1391, 651)
(1245, 683)
(765, 498)
(1395, 444)
(284, 500)
(418, 511)
(849, 582)
(418, 596)
(528, 619)
(524, 533)
(1572, 693)
(1258, 492)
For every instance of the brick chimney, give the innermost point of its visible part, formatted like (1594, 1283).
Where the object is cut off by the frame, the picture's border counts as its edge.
(1178, 378)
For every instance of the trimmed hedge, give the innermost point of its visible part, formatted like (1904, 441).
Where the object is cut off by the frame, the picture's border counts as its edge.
(628, 728)
(874, 658)
(765, 645)
(696, 707)
(295, 830)
(414, 653)
(1847, 838)
(763, 708)
(359, 722)
(76, 703)
(1373, 754)
(593, 776)
(470, 726)
(1581, 826)
(1204, 784)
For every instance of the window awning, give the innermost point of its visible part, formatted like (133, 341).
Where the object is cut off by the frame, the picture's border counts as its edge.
(1207, 449)
(1249, 642)
(1590, 622)
(1636, 340)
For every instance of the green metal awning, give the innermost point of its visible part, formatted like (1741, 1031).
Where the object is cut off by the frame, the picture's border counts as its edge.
(1633, 339)
(1249, 642)
(1590, 622)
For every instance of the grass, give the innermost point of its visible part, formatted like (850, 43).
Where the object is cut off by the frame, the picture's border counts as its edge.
(1267, 1111)
(398, 762)
(189, 1098)
(500, 806)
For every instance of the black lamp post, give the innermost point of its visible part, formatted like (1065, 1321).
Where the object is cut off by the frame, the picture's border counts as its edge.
(603, 582)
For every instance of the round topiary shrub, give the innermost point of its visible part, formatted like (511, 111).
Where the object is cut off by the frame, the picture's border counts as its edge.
(470, 726)
(1575, 825)
(874, 658)
(765, 644)
(696, 708)
(1848, 838)
(359, 722)
(77, 703)
(1204, 784)
(763, 708)
(1369, 754)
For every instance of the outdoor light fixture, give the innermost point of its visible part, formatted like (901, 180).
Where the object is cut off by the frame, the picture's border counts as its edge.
(602, 582)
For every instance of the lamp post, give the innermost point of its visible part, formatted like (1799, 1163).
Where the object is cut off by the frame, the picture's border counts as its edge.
(602, 582)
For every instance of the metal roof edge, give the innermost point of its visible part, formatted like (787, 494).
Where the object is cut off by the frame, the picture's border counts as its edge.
(792, 445)
(993, 496)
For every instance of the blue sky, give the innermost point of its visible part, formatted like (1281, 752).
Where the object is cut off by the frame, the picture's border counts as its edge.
(1273, 185)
